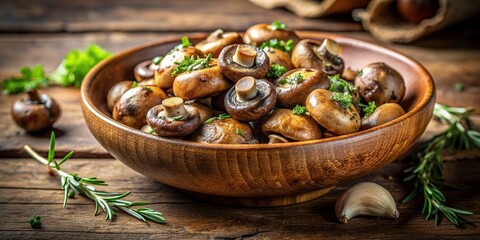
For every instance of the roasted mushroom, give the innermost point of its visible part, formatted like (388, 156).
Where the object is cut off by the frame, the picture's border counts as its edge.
(217, 40)
(35, 112)
(145, 70)
(116, 92)
(295, 85)
(380, 83)
(132, 107)
(323, 56)
(262, 32)
(250, 99)
(383, 114)
(201, 83)
(331, 114)
(204, 111)
(295, 127)
(173, 118)
(279, 57)
(240, 60)
(163, 75)
(225, 131)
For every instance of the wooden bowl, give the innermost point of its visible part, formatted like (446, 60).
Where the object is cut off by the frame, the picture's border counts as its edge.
(259, 174)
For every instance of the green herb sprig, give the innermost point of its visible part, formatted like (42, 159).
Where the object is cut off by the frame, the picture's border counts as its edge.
(276, 25)
(190, 64)
(219, 117)
(292, 79)
(31, 78)
(368, 109)
(74, 185)
(35, 222)
(276, 71)
(426, 170)
(342, 91)
(240, 133)
(286, 46)
(185, 43)
(299, 110)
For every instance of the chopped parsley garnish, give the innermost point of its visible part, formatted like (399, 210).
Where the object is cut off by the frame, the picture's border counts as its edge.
(276, 25)
(276, 71)
(35, 222)
(339, 85)
(30, 78)
(278, 44)
(360, 72)
(368, 109)
(191, 64)
(156, 60)
(344, 99)
(134, 84)
(299, 110)
(240, 133)
(147, 89)
(219, 117)
(185, 43)
(292, 79)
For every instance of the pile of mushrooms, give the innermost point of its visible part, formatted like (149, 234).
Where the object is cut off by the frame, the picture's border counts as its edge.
(268, 86)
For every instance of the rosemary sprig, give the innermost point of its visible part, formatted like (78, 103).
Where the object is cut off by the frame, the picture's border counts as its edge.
(426, 168)
(74, 185)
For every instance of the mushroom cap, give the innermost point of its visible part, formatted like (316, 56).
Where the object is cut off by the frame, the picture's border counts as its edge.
(204, 111)
(34, 116)
(215, 44)
(380, 83)
(279, 57)
(132, 107)
(235, 71)
(201, 83)
(383, 114)
(306, 55)
(255, 108)
(225, 131)
(262, 32)
(116, 92)
(144, 70)
(167, 127)
(330, 115)
(163, 75)
(290, 95)
(291, 126)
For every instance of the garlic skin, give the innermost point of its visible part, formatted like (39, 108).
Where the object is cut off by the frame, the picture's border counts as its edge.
(365, 199)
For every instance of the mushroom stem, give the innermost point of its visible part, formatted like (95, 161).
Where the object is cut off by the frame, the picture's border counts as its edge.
(174, 107)
(329, 49)
(274, 138)
(245, 55)
(33, 95)
(246, 89)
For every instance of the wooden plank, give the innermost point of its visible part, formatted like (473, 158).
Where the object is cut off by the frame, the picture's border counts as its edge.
(144, 15)
(25, 189)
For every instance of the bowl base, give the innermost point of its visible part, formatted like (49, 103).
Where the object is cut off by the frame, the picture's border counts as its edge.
(261, 201)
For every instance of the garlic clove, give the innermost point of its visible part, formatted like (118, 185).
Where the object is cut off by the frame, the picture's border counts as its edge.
(365, 199)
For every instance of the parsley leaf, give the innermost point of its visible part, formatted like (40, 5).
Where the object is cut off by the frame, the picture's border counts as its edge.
(299, 110)
(278, 44)
(156, 60)
(276, 25)
(368, 109)
(240, 133)
(344, 99)
(35, 222)
(30, 78)
(220, 117)
(292, 79)
(339, 85)
(185, 43)
(134, 84)
(276, 71)
(192, 64)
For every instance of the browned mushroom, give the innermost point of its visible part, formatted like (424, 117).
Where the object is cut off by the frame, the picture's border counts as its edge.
(380, 83)
(201, 83)
(274, 138)
(145, 70)
(250, 99)
(383, 114)
(262, 32)
(132, 107)
(217, 40)
(294, 86)
(173, 118)
(324, 56)
(225, 131)
(240, 60)
(279, 57)
(35, 112)
(331, 114)
(116, 92)
(295, 127)
(163, 75)
(204, 111)
(218, 102)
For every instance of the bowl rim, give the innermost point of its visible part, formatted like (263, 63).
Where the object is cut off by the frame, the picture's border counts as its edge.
(88, 104)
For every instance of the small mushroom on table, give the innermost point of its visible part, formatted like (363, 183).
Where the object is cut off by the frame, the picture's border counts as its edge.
(294, 86)
(332, 115)
(35, 112)
(380, 83)
(295, 127)
(250, 99)
(225, 131)
(116, 92)
(173, 118)
(323, 56)
(383, 114)
(132, 107)
(263, 32)
(217, 40)
(240, 60)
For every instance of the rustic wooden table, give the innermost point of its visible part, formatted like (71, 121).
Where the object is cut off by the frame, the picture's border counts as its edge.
(41, 32)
